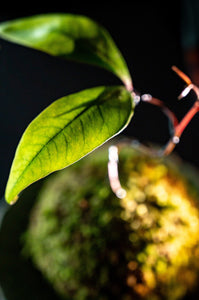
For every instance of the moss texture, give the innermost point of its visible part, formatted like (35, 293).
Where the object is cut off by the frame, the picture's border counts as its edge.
(91, 245)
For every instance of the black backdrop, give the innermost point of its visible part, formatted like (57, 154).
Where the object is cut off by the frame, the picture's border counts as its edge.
(148, 33)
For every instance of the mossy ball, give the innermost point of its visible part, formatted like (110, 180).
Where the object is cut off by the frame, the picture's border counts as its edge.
(89, 244)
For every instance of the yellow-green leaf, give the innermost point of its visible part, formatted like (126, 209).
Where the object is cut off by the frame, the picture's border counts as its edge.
(67, 130)
(69, 36)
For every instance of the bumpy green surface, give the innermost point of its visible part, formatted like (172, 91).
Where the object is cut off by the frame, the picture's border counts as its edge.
(91, 245)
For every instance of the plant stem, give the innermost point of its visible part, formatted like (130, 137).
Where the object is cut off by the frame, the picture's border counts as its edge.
(178, 127)
(178, 130)
(186, 120)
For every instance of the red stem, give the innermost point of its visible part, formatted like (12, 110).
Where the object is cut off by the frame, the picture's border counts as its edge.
(187, 118)
(178, 127)
(181, 127)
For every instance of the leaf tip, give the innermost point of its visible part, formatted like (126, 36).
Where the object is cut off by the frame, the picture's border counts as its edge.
(10, 200)
(14, 200)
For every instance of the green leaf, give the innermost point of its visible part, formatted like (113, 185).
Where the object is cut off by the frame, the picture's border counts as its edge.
(71, 37)
(67, 130)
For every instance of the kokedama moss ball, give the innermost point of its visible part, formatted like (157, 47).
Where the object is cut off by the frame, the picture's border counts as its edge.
(91, 245)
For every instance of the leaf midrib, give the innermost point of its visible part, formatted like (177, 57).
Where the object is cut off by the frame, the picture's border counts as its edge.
(59, 132)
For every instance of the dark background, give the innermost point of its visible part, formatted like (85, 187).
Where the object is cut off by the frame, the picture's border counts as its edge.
(150, 35)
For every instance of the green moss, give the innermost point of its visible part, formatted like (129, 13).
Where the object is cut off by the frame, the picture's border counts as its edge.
(91, 245)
